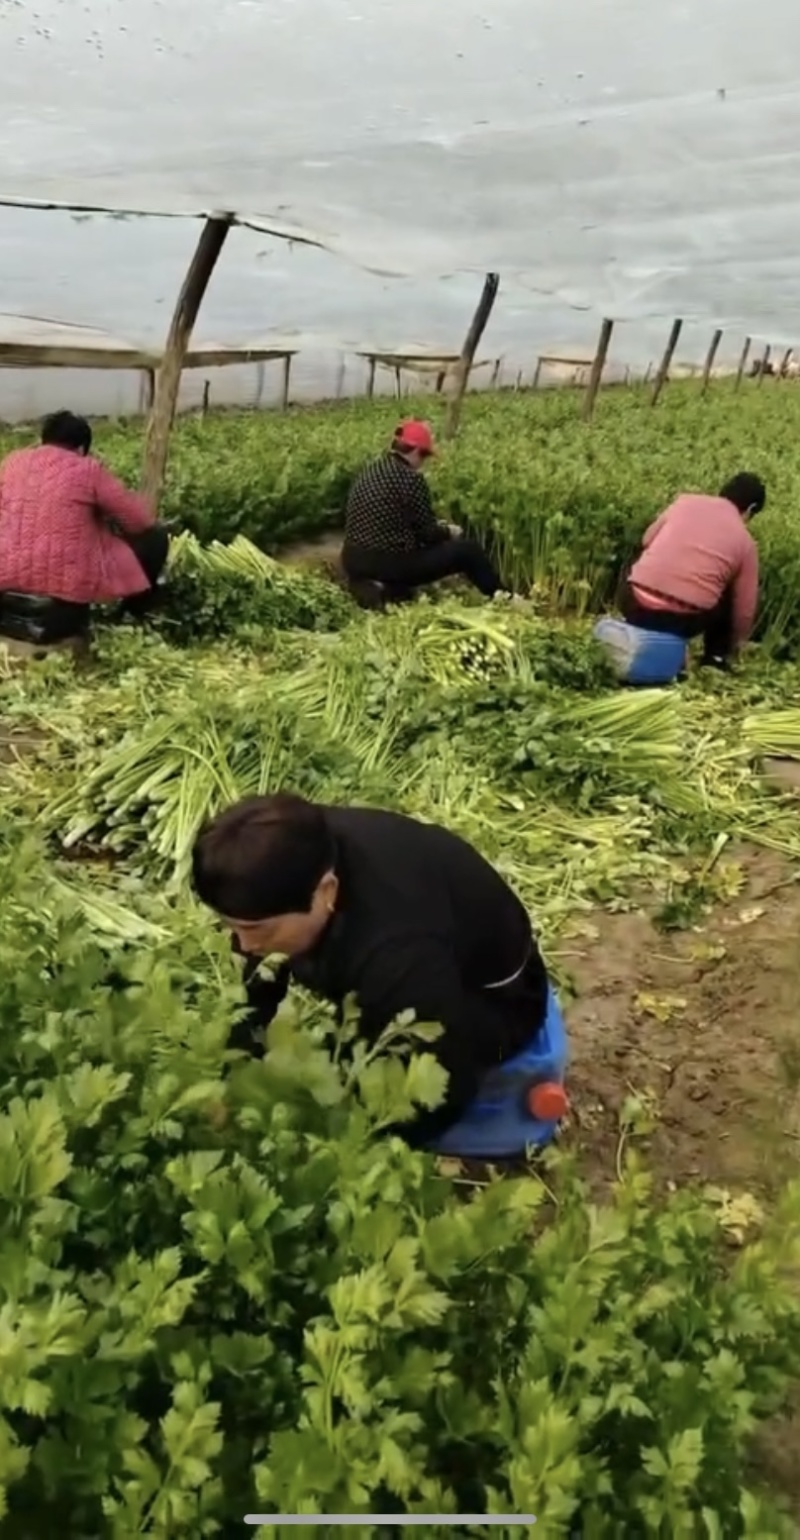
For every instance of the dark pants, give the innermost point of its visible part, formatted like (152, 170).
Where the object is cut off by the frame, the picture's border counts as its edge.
(414, 569)
(715, 625)
(151, 549)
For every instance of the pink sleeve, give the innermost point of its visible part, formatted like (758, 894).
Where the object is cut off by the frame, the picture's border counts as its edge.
(652, 530)
(129, 510)
(745, 593)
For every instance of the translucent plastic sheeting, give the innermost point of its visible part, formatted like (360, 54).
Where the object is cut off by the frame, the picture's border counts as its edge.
(33, 331)
(632, 159)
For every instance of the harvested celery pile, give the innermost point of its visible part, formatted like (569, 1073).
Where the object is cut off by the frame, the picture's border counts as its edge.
(496, 722)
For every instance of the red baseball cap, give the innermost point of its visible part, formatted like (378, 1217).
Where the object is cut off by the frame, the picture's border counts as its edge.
(415, 435)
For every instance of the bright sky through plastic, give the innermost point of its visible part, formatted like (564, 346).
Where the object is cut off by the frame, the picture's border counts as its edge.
(640, 161)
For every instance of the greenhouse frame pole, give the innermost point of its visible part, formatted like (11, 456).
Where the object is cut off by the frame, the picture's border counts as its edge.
(598, 365)
(710, 356)
(483, 310)
(663, 368)
(168, 379)
(742, 361)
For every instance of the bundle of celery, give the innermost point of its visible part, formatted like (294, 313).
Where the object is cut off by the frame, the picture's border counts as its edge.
(159, 784)
(240, 559)
(773, 734)
(236, 590)
(589, 752)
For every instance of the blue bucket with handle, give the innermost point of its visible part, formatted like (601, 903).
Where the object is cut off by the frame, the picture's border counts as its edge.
(502, 1121)
(639, 657)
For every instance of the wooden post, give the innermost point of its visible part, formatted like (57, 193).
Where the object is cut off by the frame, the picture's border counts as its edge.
(742, 361)
(477, 327)
(159, 427)
(762, 368)
(710, 356)
(287, 375)
(598, 365)
(663, 368)
(206, 397)
(149, 389)
(494, 383)
(371, 378)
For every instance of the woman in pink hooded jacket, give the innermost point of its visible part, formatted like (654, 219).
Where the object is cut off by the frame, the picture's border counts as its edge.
(71, 531)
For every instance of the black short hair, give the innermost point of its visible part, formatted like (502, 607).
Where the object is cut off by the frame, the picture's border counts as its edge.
(263, 857)
(67, 431)
(746, 491)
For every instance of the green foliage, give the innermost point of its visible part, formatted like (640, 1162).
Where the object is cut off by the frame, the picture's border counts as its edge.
(203, 1315)
(575, 790)
(220, 1292)
(236, 591)
(564, 503)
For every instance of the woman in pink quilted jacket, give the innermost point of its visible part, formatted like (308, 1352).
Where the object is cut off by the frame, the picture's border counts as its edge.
(69, 530)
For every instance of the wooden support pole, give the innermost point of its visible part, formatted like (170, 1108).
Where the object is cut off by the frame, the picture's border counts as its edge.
(537, 373)
(663, 368)
(710, 356)
(477, 327)
(371, 378)
(762, 368)
(287, 376)
(743, 361)
(494, 383)
(598, 365)
(168, 379)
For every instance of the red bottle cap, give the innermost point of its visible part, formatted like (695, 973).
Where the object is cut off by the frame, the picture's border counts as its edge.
(548, 1102)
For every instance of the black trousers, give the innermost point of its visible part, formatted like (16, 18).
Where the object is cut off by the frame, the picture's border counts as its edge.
(151, 549)
(715, 625)
(415, 569)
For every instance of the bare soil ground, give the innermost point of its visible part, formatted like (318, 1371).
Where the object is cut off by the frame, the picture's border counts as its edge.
(708, 1023)
(15, 743)
(324, 552)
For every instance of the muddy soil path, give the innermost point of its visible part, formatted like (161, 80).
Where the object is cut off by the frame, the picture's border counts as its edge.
(708, 1022)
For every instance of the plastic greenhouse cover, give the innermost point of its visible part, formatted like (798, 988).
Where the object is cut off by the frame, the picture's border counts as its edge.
(625, 158)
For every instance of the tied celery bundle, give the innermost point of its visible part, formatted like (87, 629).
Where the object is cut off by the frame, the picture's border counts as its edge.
(773, 734)
(237, 591)
(159, 785)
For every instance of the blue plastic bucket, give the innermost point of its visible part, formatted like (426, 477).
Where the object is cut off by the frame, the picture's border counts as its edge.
(498, 1123)
(641, 657)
